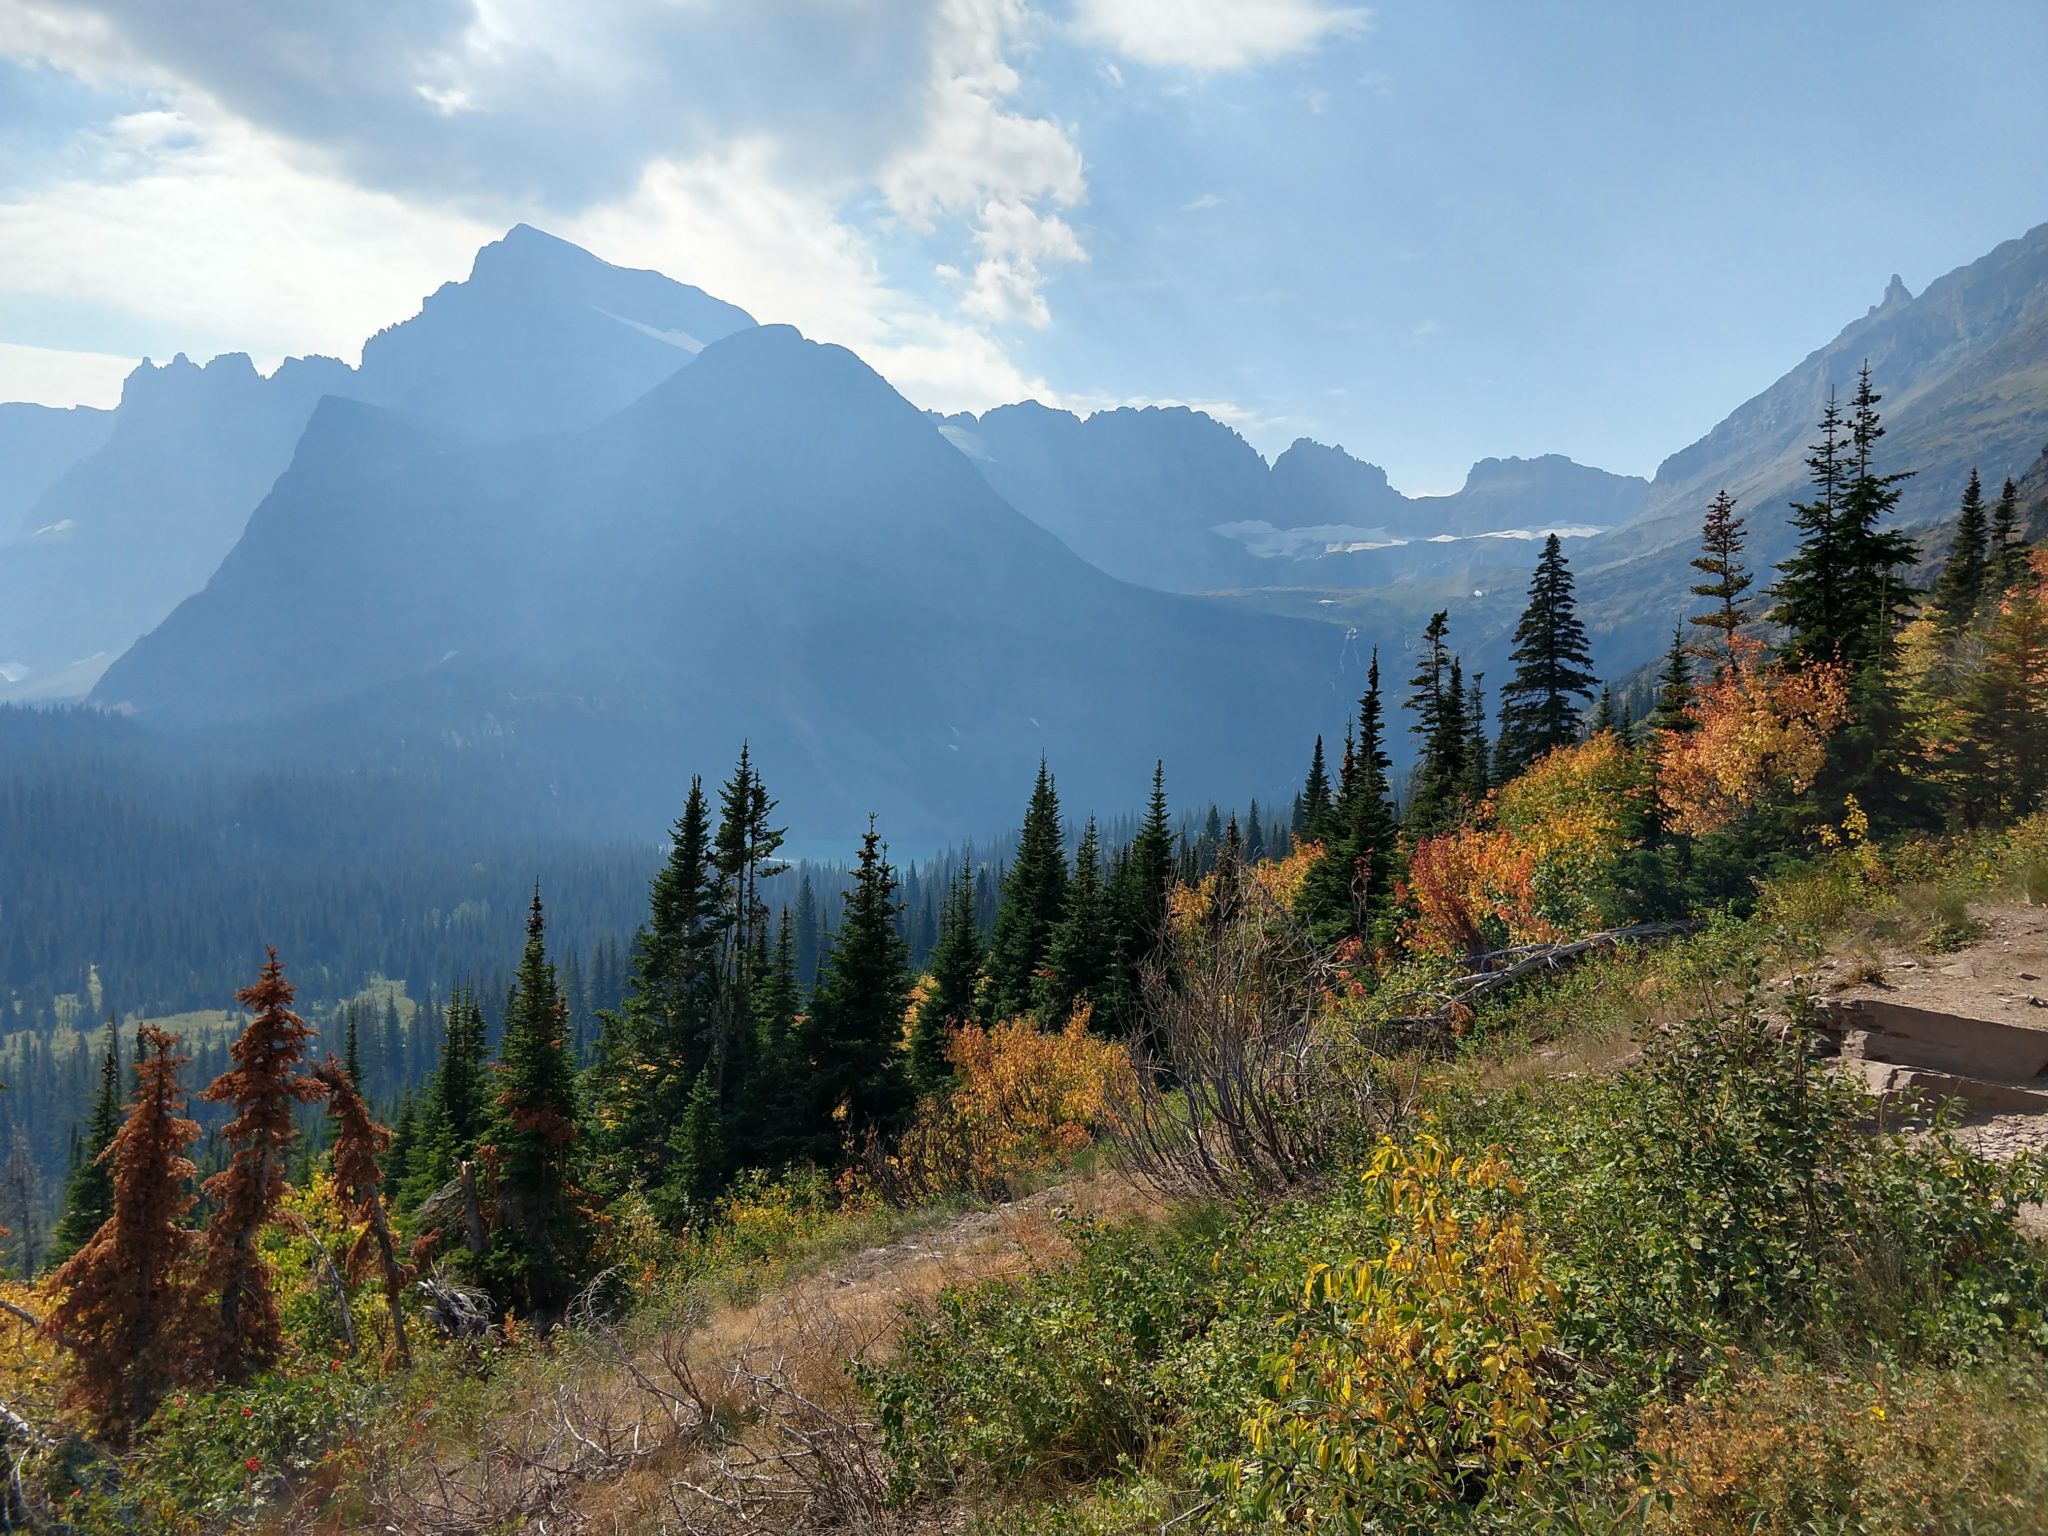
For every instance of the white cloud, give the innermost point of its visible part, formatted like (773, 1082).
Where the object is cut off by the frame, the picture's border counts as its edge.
(978, 161)
(47, 376)
(1201, 204)
(735, 224)
(218, 239)
(1212, 35)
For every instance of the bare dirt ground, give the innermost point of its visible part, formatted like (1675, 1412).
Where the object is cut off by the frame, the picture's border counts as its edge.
(2002, 975)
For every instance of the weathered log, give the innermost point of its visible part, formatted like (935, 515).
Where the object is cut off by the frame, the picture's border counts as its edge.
(1529, 960)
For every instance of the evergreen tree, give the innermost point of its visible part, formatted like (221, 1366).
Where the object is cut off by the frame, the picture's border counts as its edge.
(744, 856)
(1349, 891)
(2008, 552)
(540, 1238)
(1316, 799)
(664, 1033)
(1720, 560)
(1674, 690)
(854, 1035)
(124, 1307)
(1084, 944)
(806, 934)
(265, 1086)
(955, 981)
(1604, 717)
(1034, 896)
(1965, 579)
(358, 1142)
(89, 1196)
(2003, 741)
(1140, 895)
(352, 1058)
(1437, 698)
(1552, 667)
(1841, 593)
(1478, 776)
(1254, 836)
(776, 1106)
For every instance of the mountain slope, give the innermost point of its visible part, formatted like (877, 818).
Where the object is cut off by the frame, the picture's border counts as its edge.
(1173, 499)
(1963, 370)
(542, 336)
(773, 545)
(38, 443)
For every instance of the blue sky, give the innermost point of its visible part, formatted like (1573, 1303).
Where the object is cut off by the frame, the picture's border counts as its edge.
(1429, 232)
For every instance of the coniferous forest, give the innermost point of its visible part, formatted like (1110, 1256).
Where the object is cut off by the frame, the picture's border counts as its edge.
(1462, 1142)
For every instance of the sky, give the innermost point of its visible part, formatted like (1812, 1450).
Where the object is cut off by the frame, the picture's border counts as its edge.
(1429, 232)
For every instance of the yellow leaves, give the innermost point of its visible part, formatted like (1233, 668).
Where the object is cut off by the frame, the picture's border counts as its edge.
(1023, 1100)
(1530, 862)
(1422, 1365)
(1759, 730)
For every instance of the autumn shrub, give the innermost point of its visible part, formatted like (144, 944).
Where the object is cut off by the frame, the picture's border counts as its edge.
(1422, 1385)
(1887, 1453)
(1537, 862)
(1023, 1101)
(1757, 732)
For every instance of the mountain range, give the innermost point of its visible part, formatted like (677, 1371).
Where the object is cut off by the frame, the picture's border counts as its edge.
(597, 525)
(134, 515)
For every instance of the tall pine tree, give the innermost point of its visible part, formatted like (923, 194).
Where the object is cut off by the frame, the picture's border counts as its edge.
(89, 1196)
(953, 998)
(1965, 578)
(1083, 949)
(1553, 678)
(854, 1036)
(1034, 897)
(540, 1236)
(1720, 560)
(1437, 698)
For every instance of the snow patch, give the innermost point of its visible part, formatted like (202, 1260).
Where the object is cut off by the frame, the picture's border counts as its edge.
(681, 340)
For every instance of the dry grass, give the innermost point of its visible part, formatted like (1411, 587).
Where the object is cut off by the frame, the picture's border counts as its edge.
(710, 1418)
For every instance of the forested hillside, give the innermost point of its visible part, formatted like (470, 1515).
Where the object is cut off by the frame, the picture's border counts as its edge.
(1414, 1233)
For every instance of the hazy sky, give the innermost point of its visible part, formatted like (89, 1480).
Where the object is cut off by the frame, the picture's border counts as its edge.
(1426, 231)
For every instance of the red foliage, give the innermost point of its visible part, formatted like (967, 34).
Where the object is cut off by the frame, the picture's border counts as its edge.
(264, 1086)
(358, 1141)
(126, 1307)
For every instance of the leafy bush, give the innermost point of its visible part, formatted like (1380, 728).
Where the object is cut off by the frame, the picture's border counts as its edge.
(1024, 1100)
(1726, 1190)
(1422, 1385)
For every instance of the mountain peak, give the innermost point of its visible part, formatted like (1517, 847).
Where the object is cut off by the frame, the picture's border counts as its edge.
(1896, 292)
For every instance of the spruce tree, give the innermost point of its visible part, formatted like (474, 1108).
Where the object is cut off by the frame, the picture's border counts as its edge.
(265, 1085)
(1349, 891)
(1605, 720)
(1674, 690)
(89, 1196)
(743, 855)
(1437, 699)
(351, 1056)
(955, 983)
(2008, 551)
(2002, 749)
(1552, 667)
(124, 1304)
(806, 933)
(1720, 560)
(1084, 944)
(1034, 897)
(1140, 893)
(1478, 765)
(358, 1142)
(1841, 593)
(1316, 798)
(540, 1238)
(854, 1036)
(1965, 578)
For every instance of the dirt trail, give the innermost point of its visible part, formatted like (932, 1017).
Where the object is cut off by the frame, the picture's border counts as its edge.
(1959, 1026)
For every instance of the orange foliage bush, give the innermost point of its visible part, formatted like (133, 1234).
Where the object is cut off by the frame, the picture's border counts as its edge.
(1529, 867)
(1759, 730)
(1023, 1100)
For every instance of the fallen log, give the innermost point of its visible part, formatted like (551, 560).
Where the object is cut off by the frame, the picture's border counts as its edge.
(1505, 968)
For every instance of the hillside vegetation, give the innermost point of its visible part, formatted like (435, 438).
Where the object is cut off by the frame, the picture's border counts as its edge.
(1471, 1158)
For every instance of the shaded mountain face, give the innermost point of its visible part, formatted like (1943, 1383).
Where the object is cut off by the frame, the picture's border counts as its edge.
(38, 443)
(1963, 370)
(542, 336)
(771, 545)
(1171, 498)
